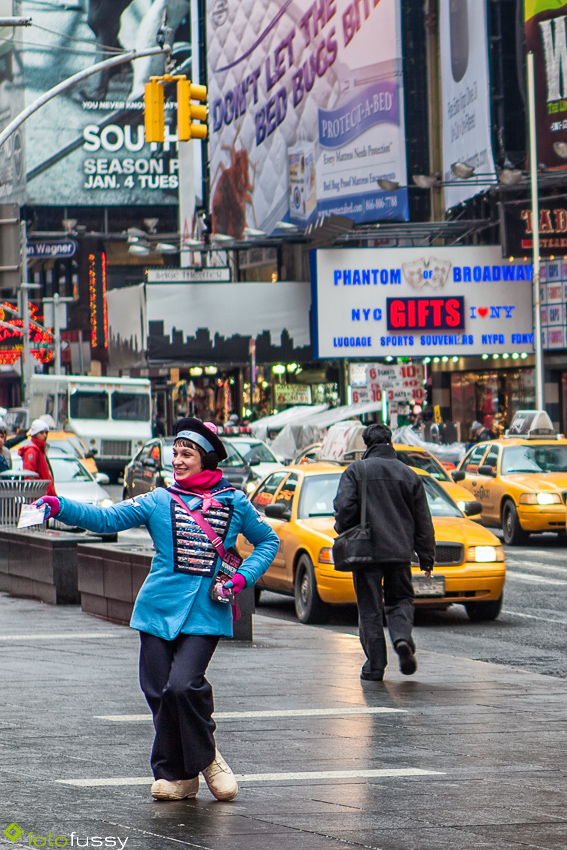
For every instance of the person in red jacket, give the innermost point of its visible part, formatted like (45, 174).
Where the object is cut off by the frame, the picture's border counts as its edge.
(34, 456)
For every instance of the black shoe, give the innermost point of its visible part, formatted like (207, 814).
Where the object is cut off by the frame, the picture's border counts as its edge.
(408, 664)
(372, 677)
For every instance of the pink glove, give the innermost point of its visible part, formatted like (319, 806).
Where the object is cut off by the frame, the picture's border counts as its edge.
(236, 584)
(53, 503)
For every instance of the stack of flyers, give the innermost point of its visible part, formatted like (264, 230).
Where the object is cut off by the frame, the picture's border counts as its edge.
(32, 515)
(227, 570)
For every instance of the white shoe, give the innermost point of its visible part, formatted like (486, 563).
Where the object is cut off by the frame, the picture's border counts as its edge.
(162, 789)
(220, 779)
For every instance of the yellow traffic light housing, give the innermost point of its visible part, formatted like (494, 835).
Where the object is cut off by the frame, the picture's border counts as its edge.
(188, 113)
(154, 120)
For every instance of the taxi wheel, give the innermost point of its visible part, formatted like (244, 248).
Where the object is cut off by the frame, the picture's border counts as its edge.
(513, 532)
(309, 607)
(480, 612)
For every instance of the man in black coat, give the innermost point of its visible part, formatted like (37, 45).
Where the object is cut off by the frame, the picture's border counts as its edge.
(400, 523)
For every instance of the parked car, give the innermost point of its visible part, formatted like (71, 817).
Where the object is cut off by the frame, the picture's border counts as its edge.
(152, 467)
(72, 481)
(298, 504)
(257, 454)
(66, 442)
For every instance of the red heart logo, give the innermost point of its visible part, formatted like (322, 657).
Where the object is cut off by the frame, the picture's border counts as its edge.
(483, 312)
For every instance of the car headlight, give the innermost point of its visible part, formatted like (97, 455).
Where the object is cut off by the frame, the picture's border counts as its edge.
(485, 554)
(540, 499)
(169, 482)
(251, 485)
(326, 556)
(105, 503)
(461, 505)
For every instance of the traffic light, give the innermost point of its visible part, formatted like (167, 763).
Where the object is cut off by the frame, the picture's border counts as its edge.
(188, 112)
(154, 121)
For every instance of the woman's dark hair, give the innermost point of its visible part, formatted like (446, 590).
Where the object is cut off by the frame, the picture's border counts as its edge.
(209, 460)
(375, 434)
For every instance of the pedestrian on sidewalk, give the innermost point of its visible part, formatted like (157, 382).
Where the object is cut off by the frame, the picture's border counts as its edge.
(400, 524)
(179, 621)
(34, 454)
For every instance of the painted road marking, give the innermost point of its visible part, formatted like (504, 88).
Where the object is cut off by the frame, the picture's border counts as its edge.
(536, 565)
(252, 715)
(264, 777)
(534, 617)
(66, 636)
(512, 574)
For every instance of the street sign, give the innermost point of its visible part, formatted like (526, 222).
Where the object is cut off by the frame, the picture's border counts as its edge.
(215, 274)
(51, 250)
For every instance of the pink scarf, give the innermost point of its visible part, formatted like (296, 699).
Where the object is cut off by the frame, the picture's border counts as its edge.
(200, 485)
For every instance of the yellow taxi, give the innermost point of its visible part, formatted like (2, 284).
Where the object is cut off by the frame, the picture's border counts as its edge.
(68, 443)
(298, 503)
(521, 484)
(422, 459)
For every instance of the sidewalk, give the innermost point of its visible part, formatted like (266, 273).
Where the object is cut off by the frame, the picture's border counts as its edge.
(462, 755)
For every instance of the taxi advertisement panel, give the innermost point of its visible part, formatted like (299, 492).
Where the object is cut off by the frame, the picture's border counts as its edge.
(370, 302)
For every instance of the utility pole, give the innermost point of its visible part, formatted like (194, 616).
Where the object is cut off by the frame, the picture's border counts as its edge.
(24, 305)
(535, 241)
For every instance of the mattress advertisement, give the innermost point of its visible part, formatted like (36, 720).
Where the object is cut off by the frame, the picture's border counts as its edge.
(87, 146)
(546, 38)
(413, 302)
(306, 112)
(465, 95)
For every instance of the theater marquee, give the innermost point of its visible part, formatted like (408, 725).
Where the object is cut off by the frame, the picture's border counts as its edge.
(375, 302)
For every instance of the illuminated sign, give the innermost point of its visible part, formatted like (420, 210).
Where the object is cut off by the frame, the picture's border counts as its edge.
(97, 300)
(11, 333)
(442, 314)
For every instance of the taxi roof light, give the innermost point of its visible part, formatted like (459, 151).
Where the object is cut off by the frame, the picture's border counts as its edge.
(532, 425)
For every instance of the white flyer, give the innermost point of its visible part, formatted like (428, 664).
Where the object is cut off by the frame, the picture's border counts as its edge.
(32, 515)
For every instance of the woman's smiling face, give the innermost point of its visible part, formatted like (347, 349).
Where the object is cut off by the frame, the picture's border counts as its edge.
(186, 462)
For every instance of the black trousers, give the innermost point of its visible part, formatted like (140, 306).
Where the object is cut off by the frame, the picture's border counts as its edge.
(388, 587)
(172, 677)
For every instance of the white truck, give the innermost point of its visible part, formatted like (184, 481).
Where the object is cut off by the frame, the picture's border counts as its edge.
(112, 416)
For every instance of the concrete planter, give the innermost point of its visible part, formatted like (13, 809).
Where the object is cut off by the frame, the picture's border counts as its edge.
(39, 565)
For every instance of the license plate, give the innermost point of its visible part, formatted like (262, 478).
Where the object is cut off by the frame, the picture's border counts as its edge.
(434, 586)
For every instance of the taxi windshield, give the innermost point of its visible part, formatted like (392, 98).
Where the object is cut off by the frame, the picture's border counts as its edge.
(546, 458)
(319, 491)
(425, 462)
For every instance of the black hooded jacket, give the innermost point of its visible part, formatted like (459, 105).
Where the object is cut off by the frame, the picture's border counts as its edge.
(396, 507)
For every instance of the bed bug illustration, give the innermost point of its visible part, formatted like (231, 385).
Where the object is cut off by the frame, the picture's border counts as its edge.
(232, 192)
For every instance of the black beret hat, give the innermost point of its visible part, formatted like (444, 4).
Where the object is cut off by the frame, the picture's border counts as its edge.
(195, 430)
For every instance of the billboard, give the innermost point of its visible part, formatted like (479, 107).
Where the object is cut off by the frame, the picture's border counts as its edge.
(518, 227)
(12, 161)
(306, 112)
(378, 302)
(553, 304)
(546, 34)
(86, 146)
(465, 87)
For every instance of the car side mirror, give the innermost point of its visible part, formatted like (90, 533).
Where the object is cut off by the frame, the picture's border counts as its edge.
(101, 478)
(278, 511)
(472, 509)
(458, 475)
(254, 462)
(92, 453)
(485, 469)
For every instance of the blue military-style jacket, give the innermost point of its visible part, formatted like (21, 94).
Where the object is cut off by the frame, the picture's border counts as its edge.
(174, 598)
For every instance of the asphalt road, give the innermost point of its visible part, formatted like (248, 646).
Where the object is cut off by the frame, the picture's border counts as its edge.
(531, 632)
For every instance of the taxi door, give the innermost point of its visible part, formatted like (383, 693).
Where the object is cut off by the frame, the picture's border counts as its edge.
(266, 495)
(486, 489)
(470, 466)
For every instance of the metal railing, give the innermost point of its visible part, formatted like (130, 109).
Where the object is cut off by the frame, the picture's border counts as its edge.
(15, 491)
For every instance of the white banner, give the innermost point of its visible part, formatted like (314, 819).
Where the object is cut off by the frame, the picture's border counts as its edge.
(465, 94)
(375, 302)
(306, 112)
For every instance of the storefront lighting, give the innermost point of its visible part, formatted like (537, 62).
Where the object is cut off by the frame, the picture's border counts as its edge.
(462, 170)
(195, 371)
(265, 384)
(523, 355)
(427, 359)
(246, 386)
(515, 355)
(455, 359)
(436, 359)
(485, 356)
(389, 359)
(292, 367)
(247, 411)
(560, 149)
(505, 356)
(444, 359)
(278, 369)
(495, 356)
(211, 370)
(388, 185)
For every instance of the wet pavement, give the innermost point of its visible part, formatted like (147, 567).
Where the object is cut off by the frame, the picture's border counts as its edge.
(464, 754)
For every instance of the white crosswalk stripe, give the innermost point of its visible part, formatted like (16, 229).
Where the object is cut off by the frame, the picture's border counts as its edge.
(253, 715)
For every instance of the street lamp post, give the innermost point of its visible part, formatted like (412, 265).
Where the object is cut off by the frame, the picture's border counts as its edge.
(535, 229)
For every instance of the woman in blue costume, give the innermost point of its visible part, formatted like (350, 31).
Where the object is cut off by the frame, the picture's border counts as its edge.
(180, 623)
